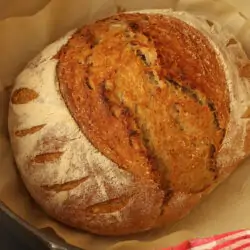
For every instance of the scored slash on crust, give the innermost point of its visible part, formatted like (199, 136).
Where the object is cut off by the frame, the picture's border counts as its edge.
(23, 96)
(65, 186)
(28, 131)
(46, 157)
(109, 206)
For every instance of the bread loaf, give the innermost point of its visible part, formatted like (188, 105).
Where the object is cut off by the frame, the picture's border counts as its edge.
(125, 124)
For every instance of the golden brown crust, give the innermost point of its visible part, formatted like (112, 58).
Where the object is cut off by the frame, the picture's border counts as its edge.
(141, 102)
(143, 88)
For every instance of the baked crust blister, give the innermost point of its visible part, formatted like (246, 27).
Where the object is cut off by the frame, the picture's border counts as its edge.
(124, 124)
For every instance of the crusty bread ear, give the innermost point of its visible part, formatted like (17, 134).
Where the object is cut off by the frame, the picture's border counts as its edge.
(125, 124)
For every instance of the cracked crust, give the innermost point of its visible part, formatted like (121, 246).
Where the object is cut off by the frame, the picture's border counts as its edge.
(136, 113)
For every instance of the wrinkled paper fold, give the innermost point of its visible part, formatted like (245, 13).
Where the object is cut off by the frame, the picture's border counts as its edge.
(226, 209)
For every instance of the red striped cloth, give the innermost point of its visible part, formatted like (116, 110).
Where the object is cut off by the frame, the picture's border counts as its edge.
(237, 240)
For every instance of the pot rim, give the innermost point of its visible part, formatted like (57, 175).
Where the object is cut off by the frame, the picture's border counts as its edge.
(46, 240)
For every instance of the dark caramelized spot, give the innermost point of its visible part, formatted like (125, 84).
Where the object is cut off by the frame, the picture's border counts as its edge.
(88, 83)
(134, 26)
(168, 195)
(142, 57)
(133, 133)
(186, 90)
(151, 77)
(212, 108)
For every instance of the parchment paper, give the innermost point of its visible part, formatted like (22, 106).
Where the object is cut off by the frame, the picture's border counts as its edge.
(226, 209)
(12, 8)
